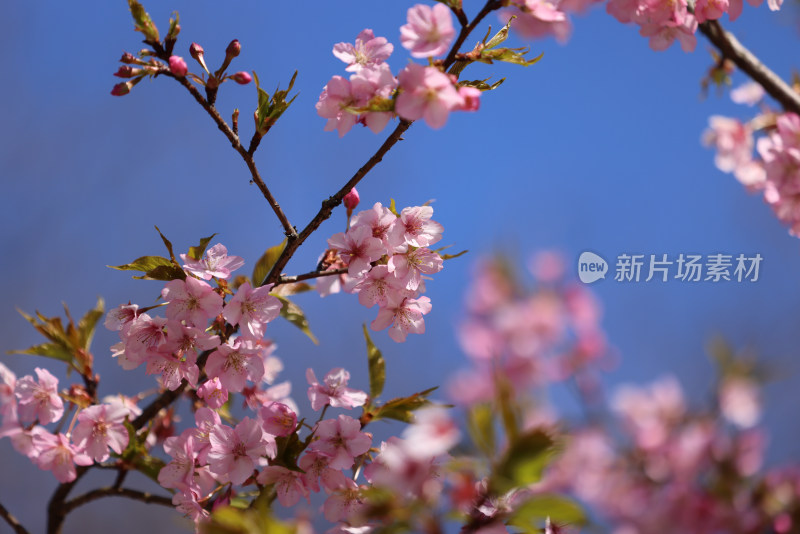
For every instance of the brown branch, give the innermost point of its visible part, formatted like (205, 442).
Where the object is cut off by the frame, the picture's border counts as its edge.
(294, 242)
(11, 520)
(308, 276)
(55, 509)
(732, 49)
(246, 154)
(117, 492)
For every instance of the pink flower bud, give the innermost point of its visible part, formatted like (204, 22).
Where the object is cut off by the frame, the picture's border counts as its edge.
(233, 50)
(126, 71)
(351, 200)
(242, 78)
(196, 51)
(177, 66)
(121, 89)
(129, 58)
(471, 97)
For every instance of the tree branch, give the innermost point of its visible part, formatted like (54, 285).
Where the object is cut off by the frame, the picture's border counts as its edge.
(11, 520)
(308, 276)
(732, 49)
(117, 492)
(294, 242)
(247, 154)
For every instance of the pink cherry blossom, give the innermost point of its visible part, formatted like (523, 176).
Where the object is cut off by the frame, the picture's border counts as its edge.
(344, 503)
(57, 454)
(733, 141)
(235, 453)
(214, 263)
(338, 104)
(429, 31)
(373, 87)
(351, 199)
(710, 9)
(205, 420)
(179, 472)
(378, 286)
(235, 363)
(8, 400)
(470, 97)
(278, 419)
(433, 433)
(191, 300)
(739, 401)
(174, 369)
(427, 93)
(177, 66)
(341, 440)
(538, 19)
(100, 428)
(141, 339)
(368, 51)
(333, 391)
(289, 484)
(381, 221)
(405, 317)
(417, 227)
(39, 401)
(318, 472)
(213, 393)
(121, 316)
(409, 267)
(357, 248)
(252, 309)
(662, 37)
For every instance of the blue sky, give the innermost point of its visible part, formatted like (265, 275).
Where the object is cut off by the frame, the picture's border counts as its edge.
(596, 147)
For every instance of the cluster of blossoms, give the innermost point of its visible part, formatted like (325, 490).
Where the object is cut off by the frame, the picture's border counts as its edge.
(387, 256)
(774, 169)
(643, 463)
(662, 21)
(373, 95)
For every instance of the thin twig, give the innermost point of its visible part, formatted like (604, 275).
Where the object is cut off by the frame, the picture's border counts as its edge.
(246, 155)
(117, 492)
(11, 520)
(294, 242)
(732, 49)
(308, 276)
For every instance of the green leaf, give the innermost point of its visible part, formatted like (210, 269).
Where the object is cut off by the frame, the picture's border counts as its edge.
(392, 207)
(509, 55)
(174, 27)
(500, 36)
(48, 350)
(88, 323)
(265, 262)
(377, 367)
(168, 245)
(480, 424)
(137, 455)
(164, 273)
(559, 509)
(481, 84)
(402, 408)
(451, 256)
(523, 462)
(154, 268)
(197, 252)
(294, 314)
(143, 22)
(269, 109)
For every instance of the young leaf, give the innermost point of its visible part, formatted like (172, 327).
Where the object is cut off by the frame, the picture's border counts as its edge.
(377, 367)
(480, 424)
(402, 408)
(523, 462)
(197, 252)
(154, 268)
(168, 245)
(48, 350)
(143, 22)
(88, 322)
(561, 510)
(451, 256)
(294, 314)
(392, 207)
(264, 264)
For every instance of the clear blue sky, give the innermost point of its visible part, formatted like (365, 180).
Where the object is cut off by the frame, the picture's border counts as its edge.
(596, 147)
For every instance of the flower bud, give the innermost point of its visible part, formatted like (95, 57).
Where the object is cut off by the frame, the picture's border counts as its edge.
(233, 50)
(121, 89)
(351, 200)
(128, 58)
(471, 97)
(177, 66)
(196, 51)
(127, 71)
(242, 78)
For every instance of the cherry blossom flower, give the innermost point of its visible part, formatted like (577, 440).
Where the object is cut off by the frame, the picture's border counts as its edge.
(57, 454)
(214, 263)
(404, 317)
(140, 340)
(235, 363)
(235, 453)
(409, 267)
(8, 400)
(341, 440)
(433, 433)
(39, 401)
(289, 484)
(334, 391)
(121, 316)
(174, 369)
(739, 401)
(368, 51)
(213, 393)
(373, 88)
(381, 221)
(427, 93)
(377, 287)
(278, 419)
(429, 31)
(191, 300)
(100, 428)
(179, 472)
(344, 503)
(357, 248)
(662, 37)
(252, 309)
(318, 472)
(417, 227)
(539, 18)
(337, 103)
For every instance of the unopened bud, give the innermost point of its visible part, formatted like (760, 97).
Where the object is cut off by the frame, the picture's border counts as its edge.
(177, 66)
(242, 78)
(127, 71)
(233, 50)
(122, 89)
(128, 58)
(196, 51)
(471, 97)
(351, 200)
